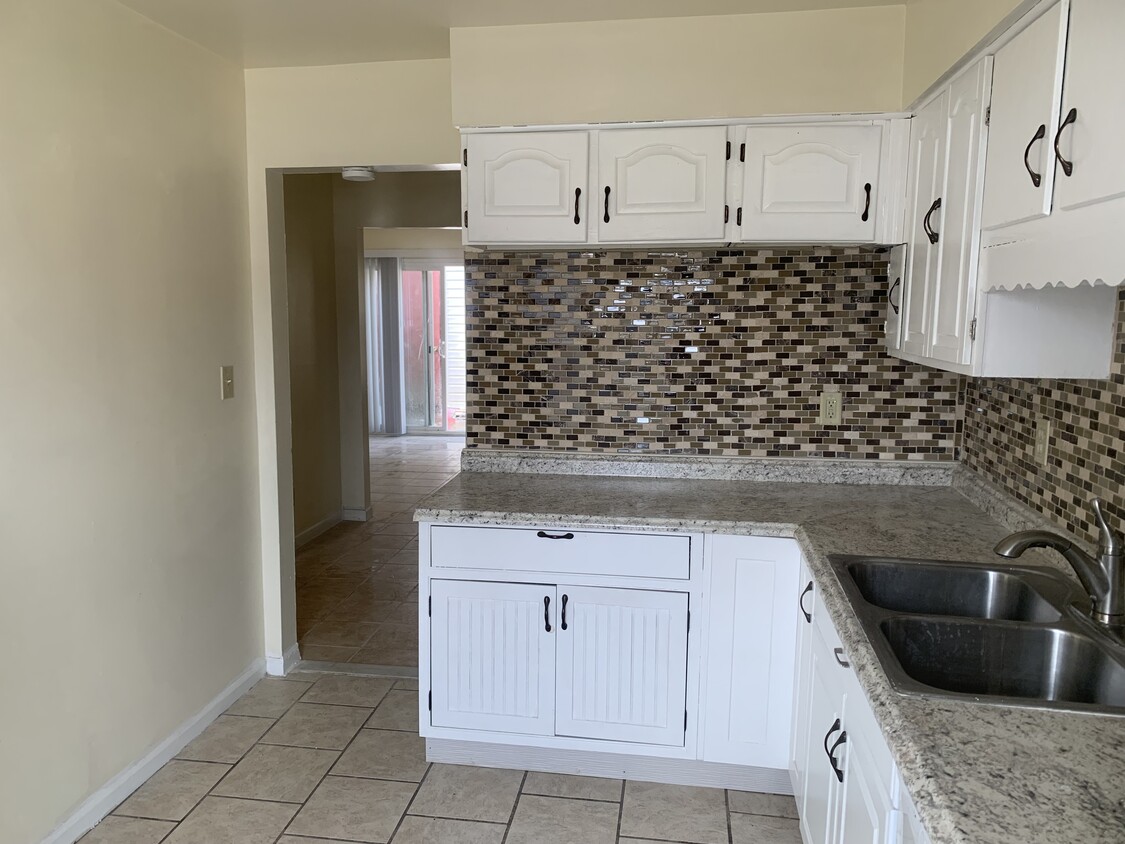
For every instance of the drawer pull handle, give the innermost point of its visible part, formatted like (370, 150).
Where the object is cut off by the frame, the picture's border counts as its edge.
(801, 603)
(1040, 134)
(867, 205)
(565, 599)
(547, 613)
(577, 196)
(1067, 166)
(544, 535)
(839, 654)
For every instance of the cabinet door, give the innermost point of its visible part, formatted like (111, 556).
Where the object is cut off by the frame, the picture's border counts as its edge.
(926, 183)
(819, 810)
(1093, 142)
(802, 695)
(526, 187)
(752, 618)
(866, 811)
(811, 183)
(955, 291)
(661, 184)
(622, 665)
(1026, 90)
(492, 656)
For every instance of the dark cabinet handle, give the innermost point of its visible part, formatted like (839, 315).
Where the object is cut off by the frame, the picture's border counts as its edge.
(577, 196)
(1067, 166)
(843, 739)
(1040, 134)
(547, 613)
(930, 233)
(801, 603)
(835, 726)
(544, 535)
(839, 654)
(866, 205)
(565, 599)
(605, 219)
(890, 294)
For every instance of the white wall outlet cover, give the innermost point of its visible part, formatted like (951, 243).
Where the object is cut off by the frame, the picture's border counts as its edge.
(1042, 441)
(831, 407)
(226, 377)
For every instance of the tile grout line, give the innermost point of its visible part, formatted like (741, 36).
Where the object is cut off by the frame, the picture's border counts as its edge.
(620, 811)
(515, 806)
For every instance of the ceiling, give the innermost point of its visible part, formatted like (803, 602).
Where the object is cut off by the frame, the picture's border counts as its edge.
(279, 33)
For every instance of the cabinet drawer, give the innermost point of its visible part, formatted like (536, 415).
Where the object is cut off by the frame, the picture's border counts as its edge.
(550, 550)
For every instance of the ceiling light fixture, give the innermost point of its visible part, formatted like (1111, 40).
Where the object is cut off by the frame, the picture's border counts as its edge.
(359, 174)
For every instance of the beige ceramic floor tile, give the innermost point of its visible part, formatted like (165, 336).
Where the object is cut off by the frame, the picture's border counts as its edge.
(674, 813)
(560, 785)
(467, 793)
(281, 774)
(552, 820)
(115, 830)
(317, 725)
(269, 698)
(173, 791)
(326, 653)
(340, 634)
(410, 685)
(385, 755)
(343, 690)
(752, 803)
(398, 711)
(353, 809)
(441, 831)
(220, 820)
(226, 739)
(759, 829)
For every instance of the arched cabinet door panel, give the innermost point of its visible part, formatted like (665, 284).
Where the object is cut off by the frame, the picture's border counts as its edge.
(527, 187)
(666, 184)
(811, 183)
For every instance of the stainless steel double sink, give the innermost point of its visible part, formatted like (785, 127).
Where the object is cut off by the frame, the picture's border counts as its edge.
(1004, 634)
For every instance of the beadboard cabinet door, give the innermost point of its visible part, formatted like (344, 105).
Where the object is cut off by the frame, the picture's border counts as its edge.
(492, 656)
(622, 665)
(1026, 87)
(663, 184)
(1092, 142)
(751, 650)
(811, 183)
(526, 187)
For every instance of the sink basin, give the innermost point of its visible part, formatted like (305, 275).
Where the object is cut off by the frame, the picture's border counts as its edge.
(965, 590)
(1007, 660)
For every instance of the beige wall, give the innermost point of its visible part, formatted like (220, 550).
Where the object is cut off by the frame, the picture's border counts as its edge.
(668, 68)
(310, 257)
(390, 240)
(406, 200)
(939, 32)
(389, 113)
(128, 508)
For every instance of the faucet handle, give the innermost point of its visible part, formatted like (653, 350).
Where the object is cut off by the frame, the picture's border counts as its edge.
(1110, 541)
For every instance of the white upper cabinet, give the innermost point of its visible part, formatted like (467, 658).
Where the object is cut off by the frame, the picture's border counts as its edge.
(622, 665)
(813, 183)
(954, 297)
(661, 184)
(1026, 87)
(526, 187)
(1091, 135)
(926, 181)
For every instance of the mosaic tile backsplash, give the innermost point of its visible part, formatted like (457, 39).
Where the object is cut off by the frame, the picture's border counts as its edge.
(717, 352)
(1087, 444)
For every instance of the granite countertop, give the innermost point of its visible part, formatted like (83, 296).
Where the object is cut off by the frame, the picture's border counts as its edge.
(976, 773)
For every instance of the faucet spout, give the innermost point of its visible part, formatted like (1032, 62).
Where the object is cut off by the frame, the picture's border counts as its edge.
(1094, 578)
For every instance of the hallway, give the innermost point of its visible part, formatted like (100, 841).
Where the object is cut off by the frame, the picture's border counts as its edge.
(357, 584)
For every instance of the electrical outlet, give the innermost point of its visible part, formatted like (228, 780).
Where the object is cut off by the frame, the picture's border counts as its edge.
(1042, 440)
(226, 378)
(831, 407)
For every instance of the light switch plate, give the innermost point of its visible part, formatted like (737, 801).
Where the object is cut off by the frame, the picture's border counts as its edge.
(831, 407)
(226, 374)
(1042, 440)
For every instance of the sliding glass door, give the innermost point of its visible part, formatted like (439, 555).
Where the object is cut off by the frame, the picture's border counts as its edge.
(433, 338)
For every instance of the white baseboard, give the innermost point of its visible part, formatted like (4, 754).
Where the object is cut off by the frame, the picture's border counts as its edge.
(279, 666)
(611, 765)
(323, 526)
(103, 801)
(358, 514)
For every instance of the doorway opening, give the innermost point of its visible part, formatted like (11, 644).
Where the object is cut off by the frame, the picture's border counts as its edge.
(433, 337)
